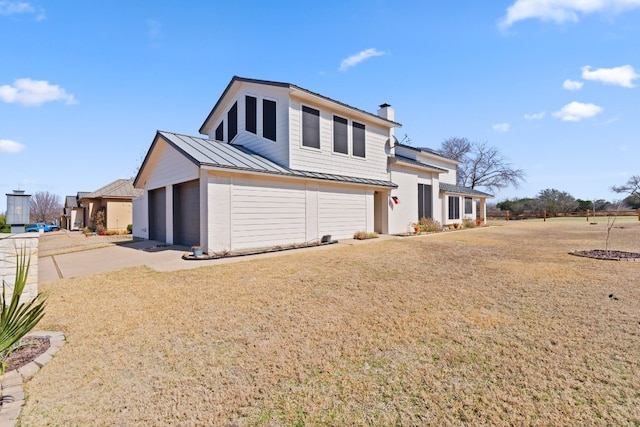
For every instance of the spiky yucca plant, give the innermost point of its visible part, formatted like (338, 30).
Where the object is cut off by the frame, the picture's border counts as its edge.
(18, 319)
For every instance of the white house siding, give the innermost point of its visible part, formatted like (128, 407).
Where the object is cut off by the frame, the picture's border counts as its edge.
(403, 214)
(169, 167)
(374, 166)
(276, 151)
(343, 211)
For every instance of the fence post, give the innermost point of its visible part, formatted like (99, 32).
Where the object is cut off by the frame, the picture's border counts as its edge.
(587, 215)
(507, 215)
(545, 215)
(638, 214)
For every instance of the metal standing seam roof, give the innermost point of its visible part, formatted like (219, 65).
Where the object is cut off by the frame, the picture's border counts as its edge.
(71, 202)
(450, 188)
(120, 188)
(403, 159)
(208, 152)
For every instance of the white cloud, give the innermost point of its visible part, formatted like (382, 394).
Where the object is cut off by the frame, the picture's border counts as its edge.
(354, 60)
(572, 85)
(34, 92)
(576, 111)
(621, 76)
(560, 11)
(9, 146)
(535, 116)
(501, 127)
(17, 7)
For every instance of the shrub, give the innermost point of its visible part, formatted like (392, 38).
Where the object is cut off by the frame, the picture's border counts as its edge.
(362, 235)
(468, 223)
(18, 319)
(428, 225)
(129, 228)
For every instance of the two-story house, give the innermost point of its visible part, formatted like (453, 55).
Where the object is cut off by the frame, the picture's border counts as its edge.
(280, 165)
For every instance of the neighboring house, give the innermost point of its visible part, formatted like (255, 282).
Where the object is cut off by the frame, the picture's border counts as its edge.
(281, 165)
(115, 201)
(73, 217)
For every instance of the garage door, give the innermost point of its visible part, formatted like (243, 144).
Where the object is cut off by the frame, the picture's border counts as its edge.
(341, 212)
(267, 214)
(158, 215)
(186, 213)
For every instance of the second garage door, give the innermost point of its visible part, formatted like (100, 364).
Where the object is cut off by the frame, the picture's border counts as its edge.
(186, 213)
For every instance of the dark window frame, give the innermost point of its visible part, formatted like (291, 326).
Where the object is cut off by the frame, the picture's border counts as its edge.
(340, 135)
(454, 207)
(219, 134)
(232, 122)
(468, 205)
(269, 124)
(251, 114)
(359, 140)
(310, 127)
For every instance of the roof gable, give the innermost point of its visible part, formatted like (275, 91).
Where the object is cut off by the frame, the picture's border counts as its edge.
(118, 189)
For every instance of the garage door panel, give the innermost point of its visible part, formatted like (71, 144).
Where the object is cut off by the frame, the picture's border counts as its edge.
(158, 215)
(186, 213)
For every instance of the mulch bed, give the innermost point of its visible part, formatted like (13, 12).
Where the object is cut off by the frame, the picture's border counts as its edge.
(608, 255)
(30, 349)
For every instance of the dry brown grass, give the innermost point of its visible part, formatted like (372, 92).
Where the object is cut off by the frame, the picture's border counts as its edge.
(492, 326)
(61, 242)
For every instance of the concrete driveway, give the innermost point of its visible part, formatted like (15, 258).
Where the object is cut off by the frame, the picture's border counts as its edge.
(146, 252)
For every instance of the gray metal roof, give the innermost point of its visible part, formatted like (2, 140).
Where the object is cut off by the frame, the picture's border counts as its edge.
(449, 188)
(119, 189)
(211, 153)
(403, 159)
(70, 202)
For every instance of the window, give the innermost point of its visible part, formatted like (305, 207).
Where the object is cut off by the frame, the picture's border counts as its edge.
(220, 132)
(232, 119)
(269, 119)
(340, 135)
(424, 201)
(310, 127)
(454, 207)
(358, 140)
(251, 114)
(468, 205)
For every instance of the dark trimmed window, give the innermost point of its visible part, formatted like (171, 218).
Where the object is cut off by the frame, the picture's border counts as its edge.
(454, 207)
(340, 135)
(251, 114)
(232, 122)
(220, 132)
(424, 201)
(468, 205)
(359, 146)
(310, 127)
(269, 119)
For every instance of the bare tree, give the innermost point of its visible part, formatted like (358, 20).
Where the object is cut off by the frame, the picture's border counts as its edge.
(44, 207)
(631, 187)
(481, 165)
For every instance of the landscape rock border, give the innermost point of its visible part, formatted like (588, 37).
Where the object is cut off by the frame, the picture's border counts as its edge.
(11, 383)
(608, 255)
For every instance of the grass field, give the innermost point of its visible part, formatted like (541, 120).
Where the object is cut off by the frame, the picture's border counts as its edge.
(494, 326)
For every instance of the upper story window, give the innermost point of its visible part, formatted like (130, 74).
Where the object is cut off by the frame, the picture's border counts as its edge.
(269, 119)
(232, 122)
(251, 114)
(468, 205)
(220, 132)
(359, 145)
(340, 135)
(310, 127)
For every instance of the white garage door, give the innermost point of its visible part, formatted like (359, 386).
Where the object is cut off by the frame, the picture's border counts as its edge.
(267, 214)
(341, 212)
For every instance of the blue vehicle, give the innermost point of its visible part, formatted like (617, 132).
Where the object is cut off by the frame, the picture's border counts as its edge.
(35, 228)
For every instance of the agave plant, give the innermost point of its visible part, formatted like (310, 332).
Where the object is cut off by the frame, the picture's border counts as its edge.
(18, 319)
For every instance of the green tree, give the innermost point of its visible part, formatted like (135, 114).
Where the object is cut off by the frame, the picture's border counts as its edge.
(554, 201)
(632, 202)
(4, 227)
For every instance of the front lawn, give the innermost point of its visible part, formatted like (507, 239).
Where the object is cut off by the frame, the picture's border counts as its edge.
(495, 326)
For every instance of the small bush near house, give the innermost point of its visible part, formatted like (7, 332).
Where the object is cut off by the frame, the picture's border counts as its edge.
(130, 228)
(362, 235)
(429, 225)
(468, 223)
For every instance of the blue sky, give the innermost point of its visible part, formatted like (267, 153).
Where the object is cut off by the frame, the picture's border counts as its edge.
(551, 83)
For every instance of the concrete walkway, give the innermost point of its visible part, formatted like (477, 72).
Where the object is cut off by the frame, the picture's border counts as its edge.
(150, 253)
